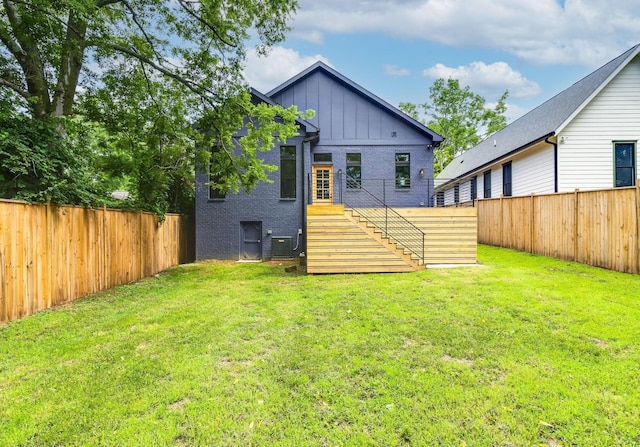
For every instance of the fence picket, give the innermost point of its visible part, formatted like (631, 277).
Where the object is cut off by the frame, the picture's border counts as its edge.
(599, 228)
(54, 254)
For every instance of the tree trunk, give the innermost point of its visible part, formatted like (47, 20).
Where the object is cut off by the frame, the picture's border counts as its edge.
(70, 67)
(25, 49)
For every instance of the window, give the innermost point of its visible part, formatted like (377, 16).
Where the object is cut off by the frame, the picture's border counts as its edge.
(456, 194)
(214, 192)
(354, 171)
(440, 198)
(403, 170)
(474, 188)
(487, 185)
(214, 181)
(506, 179)
(322, 158)
(287, 172)
(625, 159)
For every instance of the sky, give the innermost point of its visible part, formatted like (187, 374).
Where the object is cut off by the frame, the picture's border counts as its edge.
(396, 49)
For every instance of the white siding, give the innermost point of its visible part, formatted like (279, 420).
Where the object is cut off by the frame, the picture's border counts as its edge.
(480, 185)
(465, 191)
(585, 156)
(496, 180)
(448, 197)
(533, 171)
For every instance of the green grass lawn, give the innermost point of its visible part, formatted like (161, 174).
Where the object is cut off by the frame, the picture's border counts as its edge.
(522, 351)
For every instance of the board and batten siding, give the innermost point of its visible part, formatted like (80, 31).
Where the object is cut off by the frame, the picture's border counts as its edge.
(585, 145)
(345, 116)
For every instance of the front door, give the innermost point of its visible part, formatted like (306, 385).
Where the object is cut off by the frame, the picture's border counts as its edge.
(322, 184)
(251, 241)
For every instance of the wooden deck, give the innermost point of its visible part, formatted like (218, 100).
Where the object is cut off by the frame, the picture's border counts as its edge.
(338, 243)
(451, 234)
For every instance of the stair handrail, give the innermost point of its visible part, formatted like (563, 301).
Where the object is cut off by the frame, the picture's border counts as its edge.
(408, 242)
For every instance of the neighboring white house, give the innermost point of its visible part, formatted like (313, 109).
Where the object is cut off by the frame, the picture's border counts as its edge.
(584, 138)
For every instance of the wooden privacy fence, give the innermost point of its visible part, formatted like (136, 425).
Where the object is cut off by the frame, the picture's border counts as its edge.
(599, 228)
(51, 255)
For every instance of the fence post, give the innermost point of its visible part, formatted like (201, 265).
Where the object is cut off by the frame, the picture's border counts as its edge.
(531, 223)
(576, 198)
(106, 278)
(47, 257)
(636, 210)
(501, 221)
(140, 250)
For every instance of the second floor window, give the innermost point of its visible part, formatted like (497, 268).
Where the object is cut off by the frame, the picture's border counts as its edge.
(287, 172)
(403, 171)
(354, 171)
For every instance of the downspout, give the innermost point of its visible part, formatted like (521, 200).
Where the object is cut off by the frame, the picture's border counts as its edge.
(306, 142)
(555, 163)
(303, 200)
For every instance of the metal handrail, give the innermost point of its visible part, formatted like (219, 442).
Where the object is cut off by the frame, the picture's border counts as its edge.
(395, 227)
(389, 222)
(381, 216)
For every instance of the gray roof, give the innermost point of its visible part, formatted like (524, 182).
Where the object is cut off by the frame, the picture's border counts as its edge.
(321, 66)
(540, 123)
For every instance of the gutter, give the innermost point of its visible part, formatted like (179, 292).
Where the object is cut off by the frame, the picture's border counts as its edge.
(495, 160)
(555, 163)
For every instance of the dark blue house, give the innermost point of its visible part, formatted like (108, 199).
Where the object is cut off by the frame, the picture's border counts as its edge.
(358, 151)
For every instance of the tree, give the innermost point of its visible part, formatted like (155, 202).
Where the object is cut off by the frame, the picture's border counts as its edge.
(460, 116)
(40, 164)
(157, 66)
(155, 144)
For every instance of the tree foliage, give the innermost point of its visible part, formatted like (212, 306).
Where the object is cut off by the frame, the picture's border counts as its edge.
(40, 164)
(460, 116)
(156, 83)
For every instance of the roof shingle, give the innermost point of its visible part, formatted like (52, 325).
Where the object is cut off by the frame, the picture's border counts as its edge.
(538, 124)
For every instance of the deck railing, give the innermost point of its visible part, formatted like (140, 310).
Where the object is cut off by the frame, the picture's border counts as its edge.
(368, 200)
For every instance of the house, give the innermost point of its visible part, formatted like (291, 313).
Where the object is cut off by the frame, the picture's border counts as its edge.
(357, 152)
(583, 138)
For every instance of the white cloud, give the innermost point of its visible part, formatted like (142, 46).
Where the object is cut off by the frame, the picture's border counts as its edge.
(267, 72)
(485, 79)
(395, 71)
(586, 32)
(513, 111)
(316, 36)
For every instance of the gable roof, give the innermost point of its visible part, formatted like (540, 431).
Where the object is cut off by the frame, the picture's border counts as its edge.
(540, 123)
(308, 127)
(348, 83)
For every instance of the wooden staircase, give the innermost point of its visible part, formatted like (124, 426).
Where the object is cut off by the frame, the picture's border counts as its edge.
(387, 240)
(340, 240)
